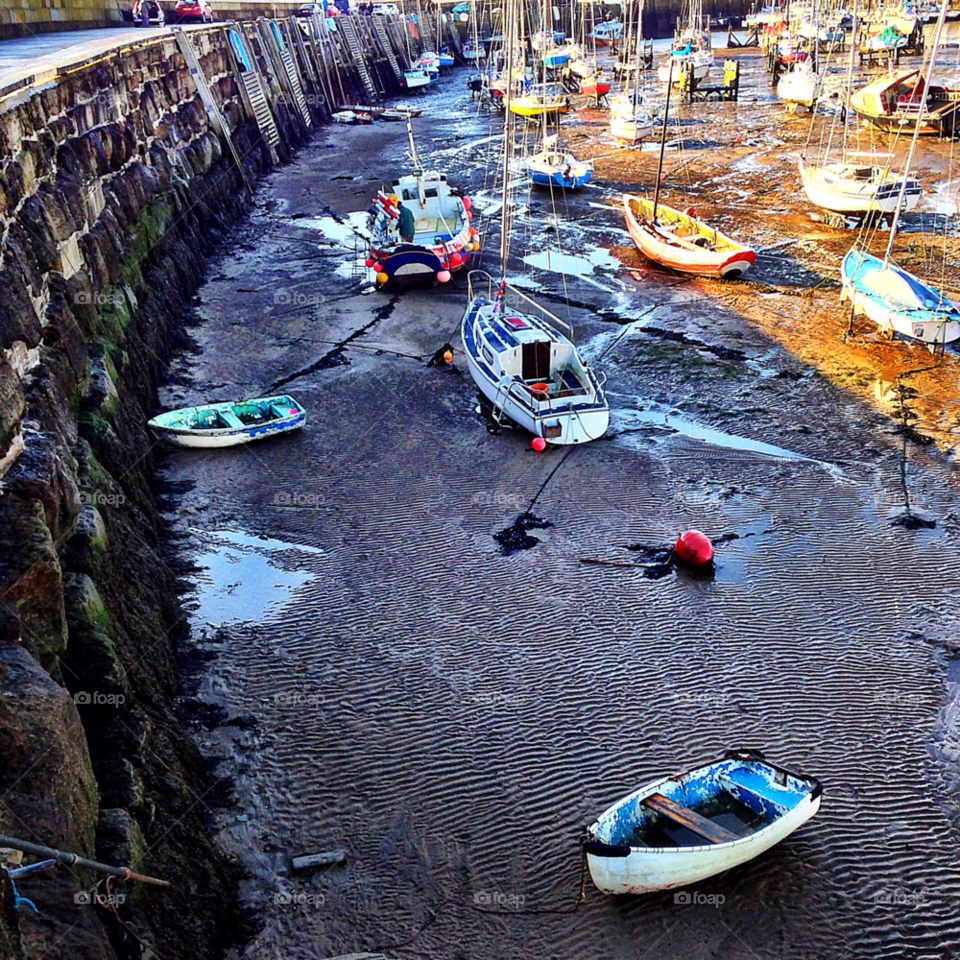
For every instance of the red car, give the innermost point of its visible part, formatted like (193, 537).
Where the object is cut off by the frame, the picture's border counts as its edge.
(199, 10)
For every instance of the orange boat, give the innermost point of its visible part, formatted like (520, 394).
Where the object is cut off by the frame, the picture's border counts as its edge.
(682, 242)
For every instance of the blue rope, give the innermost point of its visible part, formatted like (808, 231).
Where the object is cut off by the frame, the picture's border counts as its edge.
(17, 899)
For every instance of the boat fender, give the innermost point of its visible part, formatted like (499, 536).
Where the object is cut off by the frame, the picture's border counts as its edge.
(691, 211)
(694, 548)
(443, 276)
(600, 849)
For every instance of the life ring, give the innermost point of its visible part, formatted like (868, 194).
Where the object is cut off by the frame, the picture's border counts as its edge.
(543, 388)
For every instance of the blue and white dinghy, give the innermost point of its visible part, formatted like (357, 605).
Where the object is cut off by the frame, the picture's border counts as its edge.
(897, 301)
(526, 368)
(229, 424)
(684, 828)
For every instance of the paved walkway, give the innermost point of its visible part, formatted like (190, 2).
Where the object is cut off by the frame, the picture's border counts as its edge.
(40, 55)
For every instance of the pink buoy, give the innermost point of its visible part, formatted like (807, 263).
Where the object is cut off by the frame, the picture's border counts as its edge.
(467, 203)
(378, 268)
(693, 548)
(538, 444)
(369, 262)
(469, 215)
(443, 276)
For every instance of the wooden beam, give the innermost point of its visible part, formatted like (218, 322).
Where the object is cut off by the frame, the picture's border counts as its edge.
(685, 817)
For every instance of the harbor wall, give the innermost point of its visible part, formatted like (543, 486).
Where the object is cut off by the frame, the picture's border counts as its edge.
(119, 176)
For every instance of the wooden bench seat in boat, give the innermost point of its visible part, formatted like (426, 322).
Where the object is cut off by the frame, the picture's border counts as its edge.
(685, 817)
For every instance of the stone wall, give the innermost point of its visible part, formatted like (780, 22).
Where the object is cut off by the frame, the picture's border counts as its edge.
(113, 189)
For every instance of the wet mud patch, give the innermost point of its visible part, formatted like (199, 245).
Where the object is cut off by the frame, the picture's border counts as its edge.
(721, 353)
(516, 537)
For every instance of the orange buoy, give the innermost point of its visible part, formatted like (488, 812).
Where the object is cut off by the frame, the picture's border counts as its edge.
(538, 444)
(382, 277)
(448, 356)
(693, 548)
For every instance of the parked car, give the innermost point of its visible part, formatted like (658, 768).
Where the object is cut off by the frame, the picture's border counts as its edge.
(154, 12)
(199, 10)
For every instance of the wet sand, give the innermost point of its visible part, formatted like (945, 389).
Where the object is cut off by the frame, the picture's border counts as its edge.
(368, 669)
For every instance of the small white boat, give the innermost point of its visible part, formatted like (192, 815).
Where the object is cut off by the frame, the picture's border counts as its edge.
(681, 829)
(472, 51)
(629, 120)
(800, 85)
(689, 56)
(854, 188)
(417, 79)
(526, 368)
(608, 32)
(229, 424)
(897, 301)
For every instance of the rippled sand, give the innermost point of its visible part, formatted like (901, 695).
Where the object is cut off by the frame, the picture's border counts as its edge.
(452, 716)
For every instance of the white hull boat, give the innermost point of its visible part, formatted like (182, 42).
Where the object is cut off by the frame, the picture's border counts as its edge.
(800, 86)
(682, 829)
(698, 63)
(849, 188)
(897, 301)
(629, 121)
(229, 424)
(526, 368)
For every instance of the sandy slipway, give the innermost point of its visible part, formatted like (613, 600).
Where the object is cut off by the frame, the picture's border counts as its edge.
(372, 670)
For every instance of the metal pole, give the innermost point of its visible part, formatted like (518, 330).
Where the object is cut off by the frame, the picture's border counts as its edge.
(73, 860)
(916, 133)
(663, 142)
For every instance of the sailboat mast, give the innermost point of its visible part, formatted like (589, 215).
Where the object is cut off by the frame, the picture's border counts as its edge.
(916, 132)
(663, 142)
(509, 31)
(846, 111)
(414, 159)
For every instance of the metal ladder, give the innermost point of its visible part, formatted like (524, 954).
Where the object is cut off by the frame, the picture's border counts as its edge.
(351, 35)
(286, 58)
(381, 31)
(258, 103)
(214, 115)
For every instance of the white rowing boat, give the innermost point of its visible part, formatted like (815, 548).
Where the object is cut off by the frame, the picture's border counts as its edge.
(684, 828)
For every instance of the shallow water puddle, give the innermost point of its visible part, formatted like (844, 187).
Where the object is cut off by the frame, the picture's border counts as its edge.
(570, 264)
(243, 579)
(661, 416)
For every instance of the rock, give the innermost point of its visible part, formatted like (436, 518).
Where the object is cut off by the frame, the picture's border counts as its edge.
(119, 839)
(93, 671)
(30, 578)
(49, 793)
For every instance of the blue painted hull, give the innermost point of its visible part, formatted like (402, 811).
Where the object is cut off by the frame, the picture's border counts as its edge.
(559, 180)
(557, 60)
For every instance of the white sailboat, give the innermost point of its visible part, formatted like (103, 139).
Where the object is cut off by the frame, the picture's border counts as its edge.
(846, 186)
(691, 54)
(630, 121)
(521, 356)
(895, 299)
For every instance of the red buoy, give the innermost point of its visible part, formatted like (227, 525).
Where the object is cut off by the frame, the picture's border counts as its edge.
(538, 444)
(693, 548)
